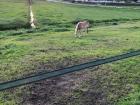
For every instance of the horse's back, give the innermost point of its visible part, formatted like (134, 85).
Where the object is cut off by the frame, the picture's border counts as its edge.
(83, 24)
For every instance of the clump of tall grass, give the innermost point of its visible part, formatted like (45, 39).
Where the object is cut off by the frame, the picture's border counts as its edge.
(13, 25)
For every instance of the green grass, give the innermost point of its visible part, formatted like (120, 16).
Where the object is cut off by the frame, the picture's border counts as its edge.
(131, 99)
(14, 14)
(24, 51)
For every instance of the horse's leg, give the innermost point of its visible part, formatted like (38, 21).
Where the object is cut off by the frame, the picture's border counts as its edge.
(84, 32)
(80, 31)
(76, 32)
(87, 30)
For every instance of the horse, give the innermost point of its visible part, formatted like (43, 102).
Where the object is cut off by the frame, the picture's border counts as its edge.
(81, 26)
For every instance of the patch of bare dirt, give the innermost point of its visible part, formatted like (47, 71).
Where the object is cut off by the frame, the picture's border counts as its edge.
(97, 86)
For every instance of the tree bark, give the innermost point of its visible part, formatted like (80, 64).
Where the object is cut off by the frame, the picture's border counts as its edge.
(31, 18)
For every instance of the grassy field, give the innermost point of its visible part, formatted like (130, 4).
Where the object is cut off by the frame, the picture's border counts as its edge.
(53, 15)
(53, 45)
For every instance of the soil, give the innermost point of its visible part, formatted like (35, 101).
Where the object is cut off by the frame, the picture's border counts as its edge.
(94, 86)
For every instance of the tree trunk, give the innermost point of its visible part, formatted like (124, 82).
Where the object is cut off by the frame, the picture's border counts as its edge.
(31, 15)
